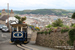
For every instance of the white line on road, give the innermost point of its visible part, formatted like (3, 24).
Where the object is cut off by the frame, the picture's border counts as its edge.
(3, 35)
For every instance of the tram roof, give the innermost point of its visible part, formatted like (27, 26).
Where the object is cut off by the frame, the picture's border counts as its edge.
(13, 25)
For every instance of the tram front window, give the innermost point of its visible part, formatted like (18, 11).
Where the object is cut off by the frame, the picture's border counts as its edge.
(13, 29)
(19, 28)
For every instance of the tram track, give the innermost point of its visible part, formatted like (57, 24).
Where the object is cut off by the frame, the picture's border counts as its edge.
(24, 47)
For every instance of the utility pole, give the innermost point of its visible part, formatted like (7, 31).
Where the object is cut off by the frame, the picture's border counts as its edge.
(8, 17)
(8, 12)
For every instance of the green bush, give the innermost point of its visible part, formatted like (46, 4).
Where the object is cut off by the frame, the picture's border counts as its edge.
(41, 32)
(45, 32)
(69, 42)
(57, 23)
(65, 26)
(71, 36)
(50, 30)
(49, 26)
(73, 25)
(64, 30)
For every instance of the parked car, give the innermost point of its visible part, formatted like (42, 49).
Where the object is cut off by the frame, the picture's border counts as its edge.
(1, 25)
(5, 29)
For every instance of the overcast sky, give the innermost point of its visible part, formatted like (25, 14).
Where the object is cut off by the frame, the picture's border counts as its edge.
(37, 4)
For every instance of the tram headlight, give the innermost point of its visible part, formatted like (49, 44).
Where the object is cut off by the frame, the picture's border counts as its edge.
(18, 35)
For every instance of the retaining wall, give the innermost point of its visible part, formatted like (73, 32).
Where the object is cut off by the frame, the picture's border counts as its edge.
(53, 39)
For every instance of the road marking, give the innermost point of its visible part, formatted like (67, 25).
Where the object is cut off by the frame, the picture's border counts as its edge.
(29, 47)
(3, 35)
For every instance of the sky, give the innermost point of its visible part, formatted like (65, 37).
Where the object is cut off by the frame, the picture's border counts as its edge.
(37, 4)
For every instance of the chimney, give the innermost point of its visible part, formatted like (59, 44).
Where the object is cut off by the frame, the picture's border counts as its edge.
(3, 13)
(11, 13)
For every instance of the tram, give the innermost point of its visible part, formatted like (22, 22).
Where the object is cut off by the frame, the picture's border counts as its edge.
(19, 33)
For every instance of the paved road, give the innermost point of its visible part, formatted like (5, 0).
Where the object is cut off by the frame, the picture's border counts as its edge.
(6, 45)
(33, 45)
(4, 36)
(5, 42)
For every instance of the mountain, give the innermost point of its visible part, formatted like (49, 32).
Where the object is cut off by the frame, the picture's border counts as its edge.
(57, 12)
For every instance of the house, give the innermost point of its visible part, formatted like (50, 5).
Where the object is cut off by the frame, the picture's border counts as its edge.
(5, 16)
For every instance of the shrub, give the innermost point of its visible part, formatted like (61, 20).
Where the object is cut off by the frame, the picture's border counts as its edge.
(45, 32)
(65, 26)
(57, 23)
(50, 30)
(64, 30)
(49, 26)
(73, 25)
(41, 32)
(55, 27)
(71, 36)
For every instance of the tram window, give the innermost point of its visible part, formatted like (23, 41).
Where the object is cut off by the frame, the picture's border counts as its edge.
(19, 28)
(25, 29)
(15, 29)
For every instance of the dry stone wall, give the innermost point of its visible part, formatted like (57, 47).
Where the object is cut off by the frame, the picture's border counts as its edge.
(53, 39)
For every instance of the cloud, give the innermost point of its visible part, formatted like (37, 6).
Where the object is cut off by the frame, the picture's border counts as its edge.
(37, 4)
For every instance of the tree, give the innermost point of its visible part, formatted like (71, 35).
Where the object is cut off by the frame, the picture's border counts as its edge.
(23, 18)
(73, 16)
(20, 19)
(57, 23)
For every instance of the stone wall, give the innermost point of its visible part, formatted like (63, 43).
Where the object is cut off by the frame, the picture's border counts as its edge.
(53, 39)
(33, 36)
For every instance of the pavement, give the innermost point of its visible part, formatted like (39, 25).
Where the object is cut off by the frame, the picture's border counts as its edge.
(6, 45)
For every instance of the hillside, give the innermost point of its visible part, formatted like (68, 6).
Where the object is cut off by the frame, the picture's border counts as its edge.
(44, 12)
(58, 12)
